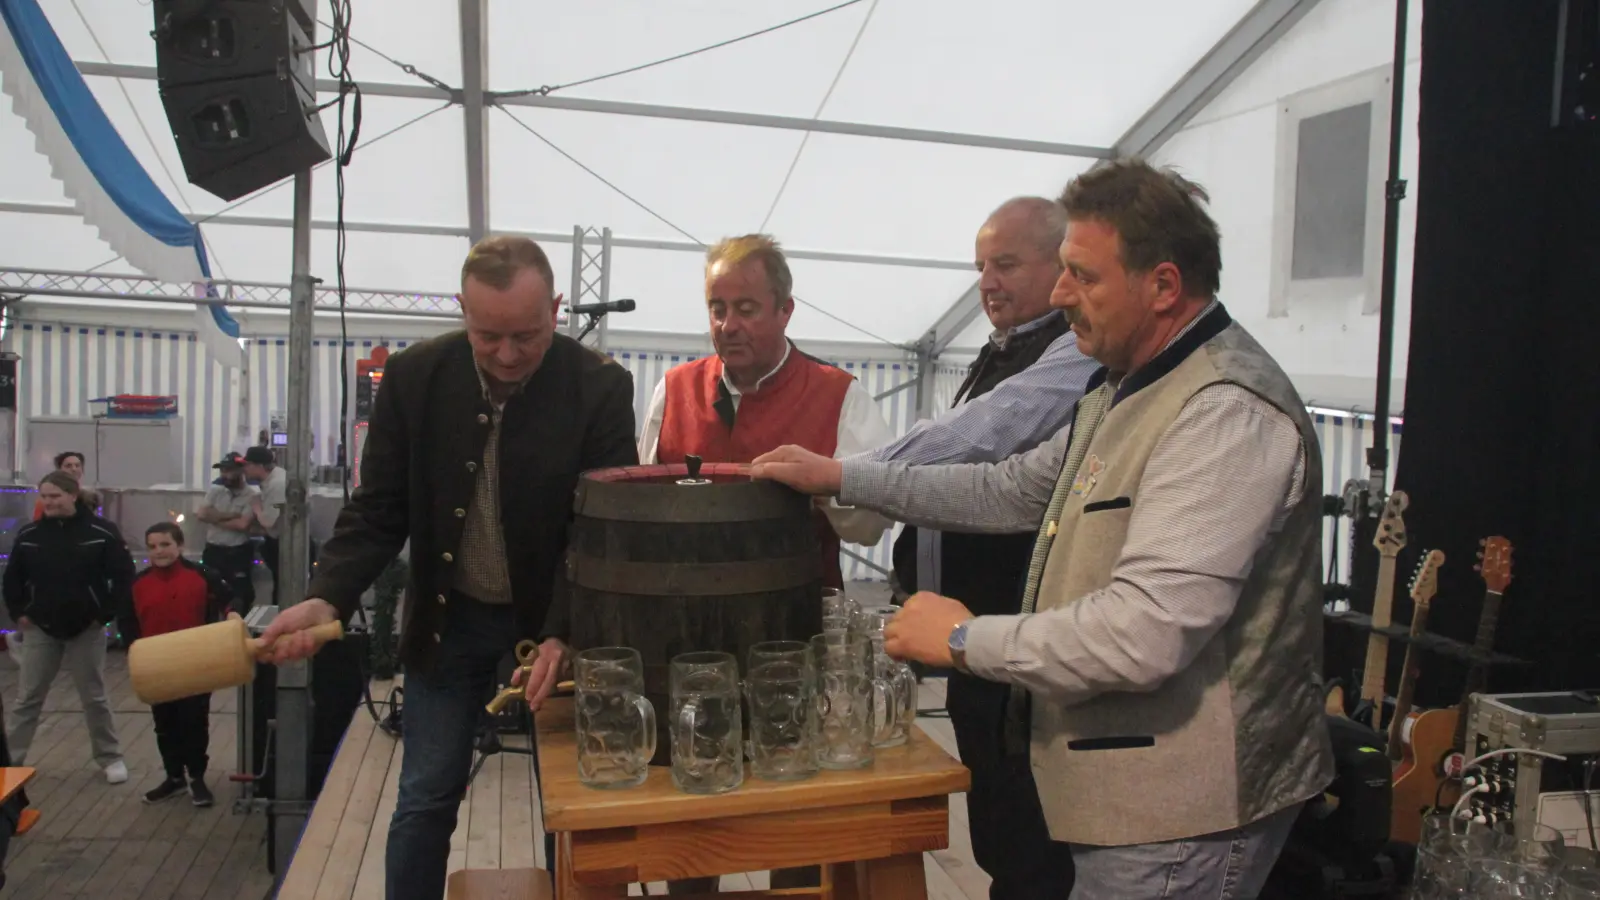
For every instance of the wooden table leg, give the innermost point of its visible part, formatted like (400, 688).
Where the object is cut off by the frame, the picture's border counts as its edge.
(567, 887)
(892, 878)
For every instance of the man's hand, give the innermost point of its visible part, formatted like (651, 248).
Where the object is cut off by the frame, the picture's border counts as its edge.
(799, 468)
(293, 626)
(921, 630)
(546, 671)
(25, 622)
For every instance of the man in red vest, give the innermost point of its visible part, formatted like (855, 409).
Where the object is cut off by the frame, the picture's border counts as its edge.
(760, 391)
(756, 394)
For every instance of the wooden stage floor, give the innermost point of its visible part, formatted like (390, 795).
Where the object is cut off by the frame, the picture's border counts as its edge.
(98, 840)
(342, 849)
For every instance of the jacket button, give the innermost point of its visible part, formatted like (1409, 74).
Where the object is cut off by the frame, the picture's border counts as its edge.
(441, 599)
(447, 557)
(472, 467)
(436, 639)
(483, 419)
(461, 513)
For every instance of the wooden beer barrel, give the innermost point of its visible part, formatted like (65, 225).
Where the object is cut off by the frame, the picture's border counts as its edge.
(672, 559)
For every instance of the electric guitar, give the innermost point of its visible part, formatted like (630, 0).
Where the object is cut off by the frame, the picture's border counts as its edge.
(1436, 740)
(1389, 540)
(1413, 788)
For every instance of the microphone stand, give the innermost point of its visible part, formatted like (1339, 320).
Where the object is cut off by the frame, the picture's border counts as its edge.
(594, 321)
(1394, 191)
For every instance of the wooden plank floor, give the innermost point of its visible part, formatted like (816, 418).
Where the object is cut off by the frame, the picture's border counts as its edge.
(341, 853)
(98, 840)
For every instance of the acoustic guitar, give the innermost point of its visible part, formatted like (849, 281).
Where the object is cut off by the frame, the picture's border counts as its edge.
(1437, 739)
(1389, 540)
(1413, 789)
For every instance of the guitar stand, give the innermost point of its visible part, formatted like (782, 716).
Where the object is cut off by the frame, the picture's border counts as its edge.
(1434, 643)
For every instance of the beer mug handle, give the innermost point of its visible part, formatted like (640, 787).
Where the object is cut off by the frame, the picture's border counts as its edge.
(908, 681)
(885, 709)
(648, 713)
(683, 729)
(748, 690)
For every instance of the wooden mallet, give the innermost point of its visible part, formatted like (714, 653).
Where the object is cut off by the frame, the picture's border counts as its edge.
(200, 660)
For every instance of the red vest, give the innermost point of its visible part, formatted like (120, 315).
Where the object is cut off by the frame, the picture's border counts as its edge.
(799, 404)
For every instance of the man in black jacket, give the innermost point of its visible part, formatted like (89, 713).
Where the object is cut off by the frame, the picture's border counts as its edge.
(473, 454)
(69, 575)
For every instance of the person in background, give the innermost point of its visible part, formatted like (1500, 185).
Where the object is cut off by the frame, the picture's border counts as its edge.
(229, 508)
(1020, 390)
(261, 467)
(68, 576)
(473, 454)
(759, 391)
(72, 463)
(171, 595)
(1168, 654)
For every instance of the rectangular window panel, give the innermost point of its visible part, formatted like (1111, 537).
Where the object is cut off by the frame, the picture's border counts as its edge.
(1330, 200)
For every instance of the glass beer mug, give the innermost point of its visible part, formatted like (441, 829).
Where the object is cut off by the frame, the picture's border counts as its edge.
(780, 685)
(837, 610)
(894, 685)
(844, 700)
(616, 725)
(706, 726)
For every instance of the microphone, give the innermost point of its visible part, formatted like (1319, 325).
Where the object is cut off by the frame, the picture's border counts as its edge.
(600, 309)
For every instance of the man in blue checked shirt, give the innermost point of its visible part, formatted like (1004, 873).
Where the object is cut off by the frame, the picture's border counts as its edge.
(1018, 392)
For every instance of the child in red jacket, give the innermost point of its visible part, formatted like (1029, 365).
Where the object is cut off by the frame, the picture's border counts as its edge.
(171, 595)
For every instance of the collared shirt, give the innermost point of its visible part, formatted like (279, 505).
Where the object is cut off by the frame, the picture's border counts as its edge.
(861, 428)
(1001, 336)
(1017, 414)
(231, 504)
(1221, 481)
(274, 497)
(481, 571)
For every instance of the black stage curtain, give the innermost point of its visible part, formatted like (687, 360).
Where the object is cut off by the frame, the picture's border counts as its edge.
(1503, 380)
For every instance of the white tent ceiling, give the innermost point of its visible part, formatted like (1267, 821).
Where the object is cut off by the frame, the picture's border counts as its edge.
(1062, 71)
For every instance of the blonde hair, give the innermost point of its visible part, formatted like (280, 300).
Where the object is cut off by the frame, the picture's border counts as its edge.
(496, 260)
(736, 251)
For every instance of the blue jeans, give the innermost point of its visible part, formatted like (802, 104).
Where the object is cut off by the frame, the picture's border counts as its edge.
(1228, 865)
(440, 717)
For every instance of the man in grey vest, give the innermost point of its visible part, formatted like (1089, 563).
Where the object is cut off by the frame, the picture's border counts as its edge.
(1170, 637)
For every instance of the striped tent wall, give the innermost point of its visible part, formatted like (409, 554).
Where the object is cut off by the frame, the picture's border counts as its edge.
(1345, 438)
(64, 366)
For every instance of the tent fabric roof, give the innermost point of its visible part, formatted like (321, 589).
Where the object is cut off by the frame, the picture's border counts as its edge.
(1068, 71)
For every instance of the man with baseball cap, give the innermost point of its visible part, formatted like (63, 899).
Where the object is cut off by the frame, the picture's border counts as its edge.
(261, 467)
(229, 510)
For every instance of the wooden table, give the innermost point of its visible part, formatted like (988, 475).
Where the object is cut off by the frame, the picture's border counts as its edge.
(867, 828)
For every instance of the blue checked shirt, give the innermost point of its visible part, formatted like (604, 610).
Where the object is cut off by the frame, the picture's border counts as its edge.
(1019, 414)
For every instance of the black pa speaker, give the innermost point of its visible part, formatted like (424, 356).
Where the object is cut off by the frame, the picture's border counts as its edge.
(238, 83)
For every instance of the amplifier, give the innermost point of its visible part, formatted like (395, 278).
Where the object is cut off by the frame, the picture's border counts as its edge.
(1560, 722)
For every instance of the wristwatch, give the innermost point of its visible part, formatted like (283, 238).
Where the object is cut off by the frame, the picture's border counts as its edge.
(958, 647)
